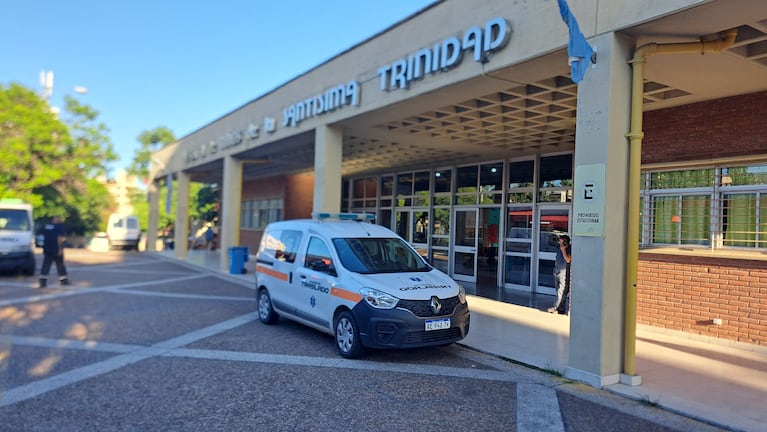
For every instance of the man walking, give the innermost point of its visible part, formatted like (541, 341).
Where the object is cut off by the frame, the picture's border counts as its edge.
(53, 251)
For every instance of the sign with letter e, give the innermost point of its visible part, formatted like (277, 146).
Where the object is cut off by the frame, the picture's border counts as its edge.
(589, 200)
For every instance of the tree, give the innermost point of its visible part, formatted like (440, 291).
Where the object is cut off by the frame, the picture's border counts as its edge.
(203, 197)
(52, 163)
(151, 141)
(32, 139)
(207, 202)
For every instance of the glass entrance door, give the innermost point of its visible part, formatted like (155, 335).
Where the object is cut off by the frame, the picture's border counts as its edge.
(518, 256)
(552, 222)
(413, 226)
(465, 244)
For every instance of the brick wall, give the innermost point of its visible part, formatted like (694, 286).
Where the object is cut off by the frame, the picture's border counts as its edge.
(297, 193)
(686, 293)
(720, 128)
(299, 190)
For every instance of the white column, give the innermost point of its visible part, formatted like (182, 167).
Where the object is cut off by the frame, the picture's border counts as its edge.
(598, 265)
(231, 201)
(154, 216)
(328, 154)
(181, 226)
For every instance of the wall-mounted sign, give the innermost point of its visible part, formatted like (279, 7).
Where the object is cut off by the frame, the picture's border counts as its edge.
(439, 58)
(331, 99)
(230, 139)
(446, 54)
(589, 200)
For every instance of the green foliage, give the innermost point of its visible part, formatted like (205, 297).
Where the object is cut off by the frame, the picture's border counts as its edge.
(92, 148)
(32, 140)
(140, 205)
(151, 141)
(207, 203)
(203, 199)
(50, 162)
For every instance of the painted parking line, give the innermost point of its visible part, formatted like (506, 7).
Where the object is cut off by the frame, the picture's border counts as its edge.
(74, 290)
(179, 295)
(46, 385)
(538, 409)
(131, 354)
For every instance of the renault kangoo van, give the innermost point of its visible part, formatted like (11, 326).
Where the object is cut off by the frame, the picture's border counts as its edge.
(358, 281)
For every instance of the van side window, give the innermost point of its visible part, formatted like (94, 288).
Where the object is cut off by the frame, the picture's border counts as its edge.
(289, 240)
(318, 257)
(281, 245)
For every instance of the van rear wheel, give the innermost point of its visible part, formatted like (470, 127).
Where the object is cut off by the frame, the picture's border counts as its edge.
(348, 336)
(266, 312)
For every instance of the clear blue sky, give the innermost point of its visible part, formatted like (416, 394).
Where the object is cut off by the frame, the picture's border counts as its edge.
(180, 64)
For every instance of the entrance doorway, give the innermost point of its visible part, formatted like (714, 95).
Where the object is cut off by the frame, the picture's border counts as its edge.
(552, 222)
(413, 226)
(475, 245)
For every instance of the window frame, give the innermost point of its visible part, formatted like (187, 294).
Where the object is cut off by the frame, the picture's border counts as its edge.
(716, 193)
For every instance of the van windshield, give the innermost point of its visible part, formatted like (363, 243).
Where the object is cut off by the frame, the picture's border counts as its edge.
(378, 255)
(14, 220)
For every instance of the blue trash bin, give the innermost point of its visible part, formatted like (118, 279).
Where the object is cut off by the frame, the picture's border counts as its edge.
(237, 257)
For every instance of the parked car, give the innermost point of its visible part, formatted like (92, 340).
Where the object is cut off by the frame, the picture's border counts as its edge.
(359, 282)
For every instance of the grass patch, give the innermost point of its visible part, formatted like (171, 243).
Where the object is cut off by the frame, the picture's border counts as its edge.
(645, 400)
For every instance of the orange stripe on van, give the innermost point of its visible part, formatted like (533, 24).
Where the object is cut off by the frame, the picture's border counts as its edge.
(273, 273)
(346, 295)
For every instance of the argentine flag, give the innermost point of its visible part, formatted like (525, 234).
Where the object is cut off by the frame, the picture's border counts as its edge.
(580, 53)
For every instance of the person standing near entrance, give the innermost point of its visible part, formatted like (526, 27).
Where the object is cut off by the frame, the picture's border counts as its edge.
(562, 276)
(53, 251)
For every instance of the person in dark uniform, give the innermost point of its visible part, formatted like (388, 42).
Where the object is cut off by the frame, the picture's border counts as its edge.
(53, 251)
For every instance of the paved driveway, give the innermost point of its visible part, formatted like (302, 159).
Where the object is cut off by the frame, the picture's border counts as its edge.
(141, 343)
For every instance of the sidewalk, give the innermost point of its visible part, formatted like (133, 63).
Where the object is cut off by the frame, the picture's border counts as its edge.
(715, 381)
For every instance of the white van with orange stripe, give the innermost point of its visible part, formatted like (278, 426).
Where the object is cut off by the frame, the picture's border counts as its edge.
(358, 281)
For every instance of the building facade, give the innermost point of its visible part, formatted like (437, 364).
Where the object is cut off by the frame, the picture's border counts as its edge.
(472, 141)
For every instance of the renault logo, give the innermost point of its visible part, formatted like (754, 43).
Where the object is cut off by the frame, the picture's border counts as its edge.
(435, 305)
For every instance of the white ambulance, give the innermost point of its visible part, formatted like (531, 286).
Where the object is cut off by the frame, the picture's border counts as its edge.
(358, 281)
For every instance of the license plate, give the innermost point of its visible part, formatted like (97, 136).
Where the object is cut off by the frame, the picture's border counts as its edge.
(438, 324)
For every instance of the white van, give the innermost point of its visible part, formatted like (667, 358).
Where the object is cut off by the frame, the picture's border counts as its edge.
(358, 281)
(17, 237)
(123, 231)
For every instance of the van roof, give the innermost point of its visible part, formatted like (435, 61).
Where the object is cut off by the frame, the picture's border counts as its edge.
(16, 205)
(335, 228)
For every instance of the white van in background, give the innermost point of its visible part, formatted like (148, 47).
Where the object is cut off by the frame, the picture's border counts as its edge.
(17, 237)
(123, 231)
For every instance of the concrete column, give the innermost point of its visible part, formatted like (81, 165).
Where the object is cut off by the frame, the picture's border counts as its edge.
(328, 154)
(231, 201)
(154, 216)
(598, 265)
(181, 227)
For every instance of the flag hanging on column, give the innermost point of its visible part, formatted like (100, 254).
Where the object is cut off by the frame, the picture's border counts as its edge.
(580, 53)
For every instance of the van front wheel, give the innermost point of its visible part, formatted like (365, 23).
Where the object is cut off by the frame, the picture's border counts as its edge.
(348, 336)
(266, 313)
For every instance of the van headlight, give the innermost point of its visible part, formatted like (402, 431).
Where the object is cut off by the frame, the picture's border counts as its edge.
(378, 299)
(461, 294)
